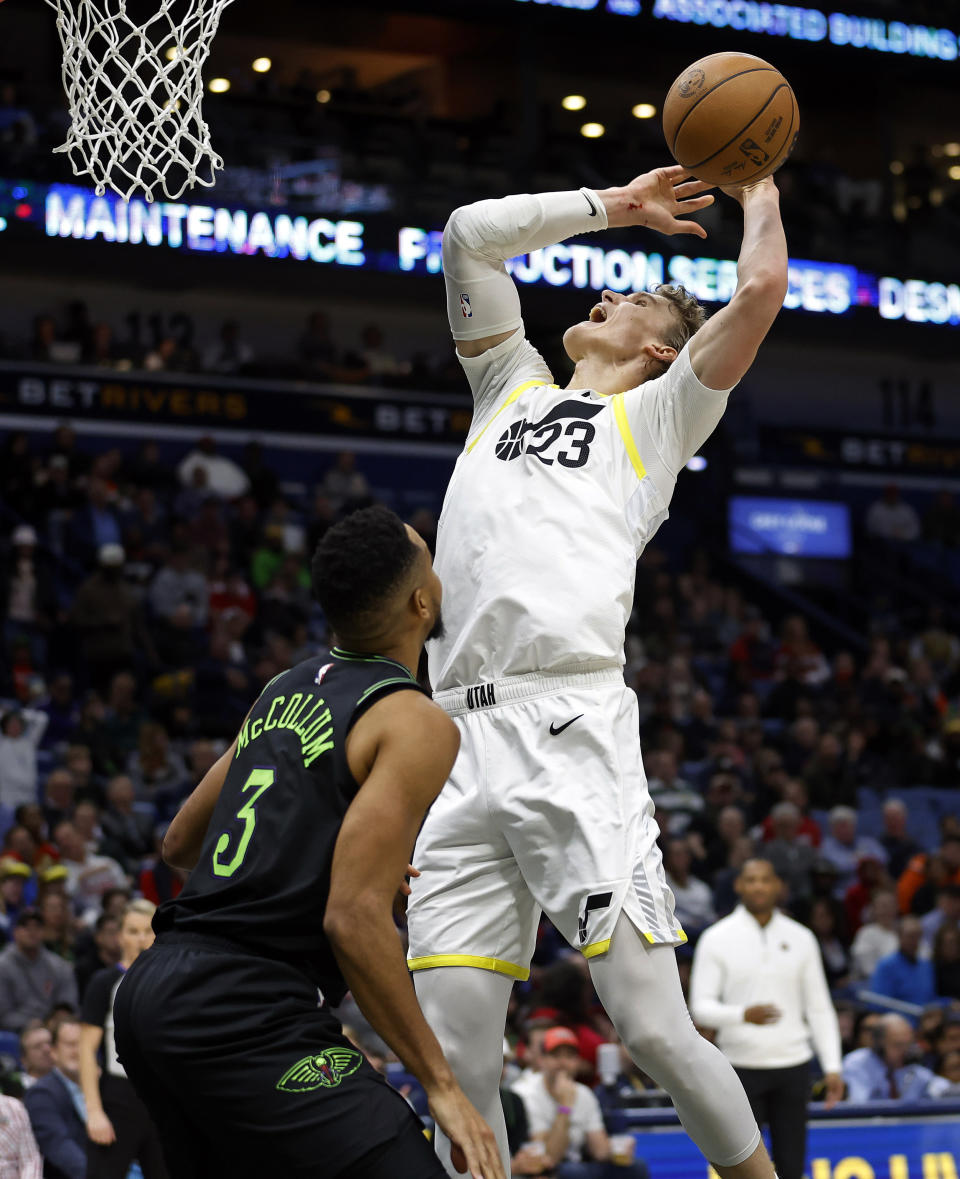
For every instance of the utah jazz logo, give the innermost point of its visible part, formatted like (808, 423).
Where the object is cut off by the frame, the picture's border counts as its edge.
(325, 1071)
(536, 438)
(596, 900)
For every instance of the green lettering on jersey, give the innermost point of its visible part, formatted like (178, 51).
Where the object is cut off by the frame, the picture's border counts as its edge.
(301, 715)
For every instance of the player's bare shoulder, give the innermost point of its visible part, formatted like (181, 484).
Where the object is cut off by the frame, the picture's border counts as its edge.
(406, 727)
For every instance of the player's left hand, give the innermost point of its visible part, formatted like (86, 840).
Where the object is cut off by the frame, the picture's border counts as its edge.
(658, 200)
(833, 1089)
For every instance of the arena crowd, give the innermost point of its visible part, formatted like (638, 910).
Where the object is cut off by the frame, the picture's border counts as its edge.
(145, 603)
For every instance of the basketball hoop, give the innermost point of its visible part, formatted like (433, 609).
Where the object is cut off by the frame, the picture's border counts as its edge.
(135, 91)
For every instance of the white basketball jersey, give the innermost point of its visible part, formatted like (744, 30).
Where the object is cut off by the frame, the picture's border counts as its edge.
(551, 503)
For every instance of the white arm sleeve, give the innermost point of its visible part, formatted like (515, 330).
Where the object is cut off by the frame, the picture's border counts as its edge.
(671, 417)
(819, 1012)
(482, 299)
(706, 989)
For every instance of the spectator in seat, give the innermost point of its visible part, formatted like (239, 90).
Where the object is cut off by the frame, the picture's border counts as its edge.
(885, 1071)
(946, 1083)
(946, 961)
(844, 848)
(155, 768)
(829, 775)
(127, 834)
(945, 912)
(879, 937)
(565, 1116)
(95, 525)
(892, 519)
(106, 617)
(343, 485)
(59, 925)
(796, 645)
(32, 979)
(826, 922)
(54, 1104)
(21, 731)
(228, 353)
(28, 602)
(753, 653)
(871, 876)
(19, 1156)
(63, 711)
(225, 478)
(904, 975)
(792, 858)
(694, 902)
(36, 1053)
(315, 348)
(793, 790)
(928, 873)
(88, 876)
(14, 875)
(177, 584)
(102, 952)
(898, 845)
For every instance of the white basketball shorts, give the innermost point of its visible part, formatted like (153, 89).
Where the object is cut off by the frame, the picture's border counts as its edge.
(547, 808)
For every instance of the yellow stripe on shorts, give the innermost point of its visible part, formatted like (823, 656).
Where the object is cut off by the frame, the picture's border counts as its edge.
(595, 949)
(497, 965)
(518, 392)
(620, 413)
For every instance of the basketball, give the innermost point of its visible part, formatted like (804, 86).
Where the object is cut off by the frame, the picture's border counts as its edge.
(731, 118)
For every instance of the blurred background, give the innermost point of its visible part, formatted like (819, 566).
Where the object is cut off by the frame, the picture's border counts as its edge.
(191, 392)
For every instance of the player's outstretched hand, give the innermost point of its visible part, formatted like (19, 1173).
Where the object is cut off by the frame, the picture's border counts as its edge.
(100, 1129)
(658, 200)
(474, 1148)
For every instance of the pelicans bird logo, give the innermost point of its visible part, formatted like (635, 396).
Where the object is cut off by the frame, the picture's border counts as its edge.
(324, 1071)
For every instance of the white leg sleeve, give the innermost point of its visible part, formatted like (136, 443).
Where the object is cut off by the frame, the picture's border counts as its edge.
(467, 1010)
(639, 986)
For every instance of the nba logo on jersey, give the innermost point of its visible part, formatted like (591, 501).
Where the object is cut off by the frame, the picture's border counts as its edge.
(465, 308)
(322, 672)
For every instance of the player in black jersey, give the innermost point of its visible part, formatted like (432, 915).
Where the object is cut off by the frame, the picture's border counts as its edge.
(296, 841)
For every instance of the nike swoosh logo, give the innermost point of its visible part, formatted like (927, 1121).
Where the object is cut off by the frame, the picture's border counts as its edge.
(555, 732)
(592, 213)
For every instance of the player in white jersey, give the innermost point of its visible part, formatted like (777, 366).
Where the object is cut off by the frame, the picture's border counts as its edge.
(553, 499)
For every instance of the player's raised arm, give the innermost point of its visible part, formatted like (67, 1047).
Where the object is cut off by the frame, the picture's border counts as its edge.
(725, 347)
(483, 305)
(402, 750)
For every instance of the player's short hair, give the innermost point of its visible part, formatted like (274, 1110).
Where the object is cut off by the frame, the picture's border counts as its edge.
(358, 565)
(689, 315)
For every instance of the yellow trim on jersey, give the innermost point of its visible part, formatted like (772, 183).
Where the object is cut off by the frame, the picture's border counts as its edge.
(595, 948)
(620, 413)
(518, 392)
(497, 965)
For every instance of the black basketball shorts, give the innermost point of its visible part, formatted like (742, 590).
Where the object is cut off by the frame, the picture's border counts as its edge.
(246, 1076)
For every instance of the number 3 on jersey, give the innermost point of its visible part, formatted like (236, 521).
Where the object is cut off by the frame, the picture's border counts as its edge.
(261, 779)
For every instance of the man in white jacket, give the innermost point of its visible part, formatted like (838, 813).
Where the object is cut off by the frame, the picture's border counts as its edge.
(758, 981)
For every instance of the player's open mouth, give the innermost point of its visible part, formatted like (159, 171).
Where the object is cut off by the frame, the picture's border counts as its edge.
(598, 313)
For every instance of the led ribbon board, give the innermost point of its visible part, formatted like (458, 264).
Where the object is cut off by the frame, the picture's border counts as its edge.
(787, 20)
(832, 288)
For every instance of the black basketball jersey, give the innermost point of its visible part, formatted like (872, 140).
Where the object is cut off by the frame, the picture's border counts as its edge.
(263, 876)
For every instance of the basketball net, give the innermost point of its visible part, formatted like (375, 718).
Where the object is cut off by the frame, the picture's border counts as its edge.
(135, 91)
